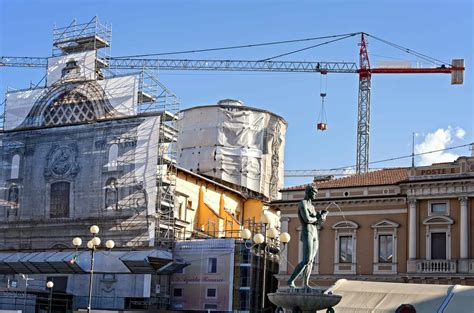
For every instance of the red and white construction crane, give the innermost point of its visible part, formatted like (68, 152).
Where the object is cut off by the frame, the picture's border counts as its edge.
(364, 70)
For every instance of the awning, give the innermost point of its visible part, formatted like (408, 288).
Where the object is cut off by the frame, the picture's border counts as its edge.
(462, 300)
(172, 267)
(59, 262)
(141, 262)
(381, 297)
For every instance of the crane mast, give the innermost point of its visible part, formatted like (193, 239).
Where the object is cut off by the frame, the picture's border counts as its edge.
(363, 116)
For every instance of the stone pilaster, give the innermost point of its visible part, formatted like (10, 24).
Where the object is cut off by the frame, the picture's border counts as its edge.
(411, 264)
(463, 264)
(283, 269)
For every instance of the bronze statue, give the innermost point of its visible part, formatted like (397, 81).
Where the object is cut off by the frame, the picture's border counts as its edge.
(309, 219)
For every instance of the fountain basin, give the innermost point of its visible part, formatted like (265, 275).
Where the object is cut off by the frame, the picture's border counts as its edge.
(304, 300)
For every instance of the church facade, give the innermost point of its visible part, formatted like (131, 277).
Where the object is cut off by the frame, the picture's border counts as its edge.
(81, 151)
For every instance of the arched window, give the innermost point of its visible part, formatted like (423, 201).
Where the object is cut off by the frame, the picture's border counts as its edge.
(111, 194)
(59, 200)
(15, 170)
(113, 157)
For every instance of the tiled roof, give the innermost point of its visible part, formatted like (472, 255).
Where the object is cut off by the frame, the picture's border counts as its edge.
(388, 176)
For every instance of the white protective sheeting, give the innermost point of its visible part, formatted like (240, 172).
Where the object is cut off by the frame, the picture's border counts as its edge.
(18, 104)
(237, 144)
(86, 67)
(146, 157)
(380, 297)
(122, 93)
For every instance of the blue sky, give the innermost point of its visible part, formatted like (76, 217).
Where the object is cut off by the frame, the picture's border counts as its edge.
(440, 113)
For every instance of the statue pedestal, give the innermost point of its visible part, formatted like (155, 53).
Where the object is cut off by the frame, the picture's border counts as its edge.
(304, 300)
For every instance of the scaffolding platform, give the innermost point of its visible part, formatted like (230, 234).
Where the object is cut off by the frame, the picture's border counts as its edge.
(144, 97)
(82, 37)
(78, 44)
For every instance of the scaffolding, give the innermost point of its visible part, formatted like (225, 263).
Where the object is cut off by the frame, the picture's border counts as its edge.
(152, 99)
(91, 36)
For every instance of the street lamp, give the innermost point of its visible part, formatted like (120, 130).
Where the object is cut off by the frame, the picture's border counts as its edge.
(92, 245)
(50, 286)
(258, 239)
(27, 279)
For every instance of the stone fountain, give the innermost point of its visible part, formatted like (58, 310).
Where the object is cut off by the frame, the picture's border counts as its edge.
(306, 299)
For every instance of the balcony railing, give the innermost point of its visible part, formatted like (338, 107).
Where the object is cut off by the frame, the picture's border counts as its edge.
(436, 266)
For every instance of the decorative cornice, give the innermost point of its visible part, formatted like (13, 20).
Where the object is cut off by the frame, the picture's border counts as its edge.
(325, 202)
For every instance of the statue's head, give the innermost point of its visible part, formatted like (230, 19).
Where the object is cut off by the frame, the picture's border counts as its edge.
(310, 192)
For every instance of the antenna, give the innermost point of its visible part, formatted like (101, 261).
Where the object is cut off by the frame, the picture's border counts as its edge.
(413, 150)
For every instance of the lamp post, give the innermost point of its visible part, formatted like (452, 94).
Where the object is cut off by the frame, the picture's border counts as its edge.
(27, 279)
(268, 238)
(50, 286)
(92, 245)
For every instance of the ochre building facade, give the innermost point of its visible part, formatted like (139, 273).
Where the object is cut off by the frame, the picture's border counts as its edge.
(396, 225)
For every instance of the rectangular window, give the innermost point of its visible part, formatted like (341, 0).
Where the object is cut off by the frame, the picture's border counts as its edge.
(211, 293)
(60, 283)
(439, 208)
(244, 300)
(177, 292)
(59, 200)
(438, 246)
(244, 276)
(245, 253)
(345, 249)
(209, 306)
(385, 248)
(212, 265)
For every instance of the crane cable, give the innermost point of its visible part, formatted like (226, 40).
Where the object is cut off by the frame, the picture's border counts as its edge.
(409, 51)
(237, 47)
(323, 86)
(307, 48)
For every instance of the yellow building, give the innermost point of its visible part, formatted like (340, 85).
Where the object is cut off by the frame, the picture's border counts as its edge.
(222, 273)
(207, 208)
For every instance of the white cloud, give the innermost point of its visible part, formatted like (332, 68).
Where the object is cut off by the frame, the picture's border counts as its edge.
(438, 140)
(460, 133)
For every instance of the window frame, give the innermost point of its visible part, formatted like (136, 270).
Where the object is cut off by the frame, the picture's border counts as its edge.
(15, 166)
(175, 289)
(345, 236)
(385, 228)
(342, 229)
(438, 224)
(446, 238)
(207, 293)
(209, 265)
(112, 157)
(430, 207)
(214, 306)
(69, 197)
(379, 260)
